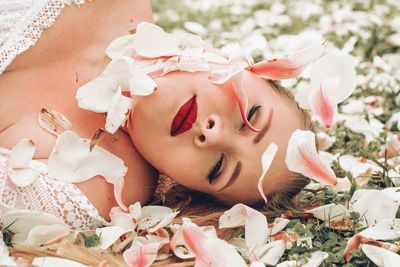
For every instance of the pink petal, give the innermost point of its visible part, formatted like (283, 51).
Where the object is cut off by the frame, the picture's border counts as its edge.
(290, 67)
(141, 253)
(118, 188)
(302, 157)
(209, 251)
(241, 98)
(321, 105)
(266, 160)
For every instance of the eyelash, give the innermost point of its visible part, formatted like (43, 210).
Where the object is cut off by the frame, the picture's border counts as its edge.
(253, 111)
(216, 171)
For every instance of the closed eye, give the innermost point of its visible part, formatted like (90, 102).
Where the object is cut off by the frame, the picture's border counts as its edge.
(216, 170)
(253, 111)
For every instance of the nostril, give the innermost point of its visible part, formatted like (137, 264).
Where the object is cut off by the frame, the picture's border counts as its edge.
(210, 124)
(202, 138)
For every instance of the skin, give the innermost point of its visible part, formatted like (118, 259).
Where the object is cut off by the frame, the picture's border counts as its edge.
(189, 157)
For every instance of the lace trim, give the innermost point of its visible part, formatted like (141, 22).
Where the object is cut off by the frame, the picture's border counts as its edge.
(47, 195)
(28, 29)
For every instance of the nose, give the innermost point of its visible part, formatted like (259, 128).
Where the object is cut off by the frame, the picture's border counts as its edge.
(211, 132)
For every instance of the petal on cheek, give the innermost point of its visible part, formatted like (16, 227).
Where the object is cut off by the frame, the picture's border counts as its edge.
(266, 160)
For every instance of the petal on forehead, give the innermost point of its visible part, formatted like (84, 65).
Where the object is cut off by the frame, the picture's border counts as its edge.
(323, 106)
(266, 161)
(302, 157)
(291, 66)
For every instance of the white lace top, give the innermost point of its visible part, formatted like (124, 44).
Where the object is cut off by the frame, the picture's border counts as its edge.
(23, 21)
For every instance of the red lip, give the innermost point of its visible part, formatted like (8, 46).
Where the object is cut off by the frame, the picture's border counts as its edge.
(185, 117)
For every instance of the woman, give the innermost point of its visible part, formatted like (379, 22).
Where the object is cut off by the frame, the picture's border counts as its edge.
(218, 155)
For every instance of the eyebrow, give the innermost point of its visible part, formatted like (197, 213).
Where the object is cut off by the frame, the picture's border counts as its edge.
(234, 175)
(261, 133)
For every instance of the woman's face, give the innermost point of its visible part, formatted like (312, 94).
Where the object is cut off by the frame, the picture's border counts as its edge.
(218, 155)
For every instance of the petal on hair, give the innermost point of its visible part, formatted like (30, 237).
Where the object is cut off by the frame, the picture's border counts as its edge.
(321, 105)
(302, 157)
(256, 225)
(241, 98)
(46, 234)
(290, 67)
(118, 111)
(209, 251)
(155, 217)
(266, 161)
(108, 235)
(21, 154)
(271, 252)
(142, 252)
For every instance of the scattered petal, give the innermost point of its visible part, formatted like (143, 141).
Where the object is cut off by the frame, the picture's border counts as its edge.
(302, 157)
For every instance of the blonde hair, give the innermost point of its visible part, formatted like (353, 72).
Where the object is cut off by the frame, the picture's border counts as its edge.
(285, 198)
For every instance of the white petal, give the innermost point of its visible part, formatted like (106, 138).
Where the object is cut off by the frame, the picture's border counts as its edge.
(256, 226)
(155, 217)
(334, 65)
(266, 161)
(151, 41)
(331, 212)
(21, 154)
(23, 177)
(122, 219)
(108, 235)
(384, 205)
(278, 225)
(46, 234)
(96, 95)
(121, 46)
(355, 166)
(386, 229)
(325, 141)
(72, 161)
(317, 257)
(273, 252)
(118, 111)
(55, 261)
(380, 256)
(361, 125)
